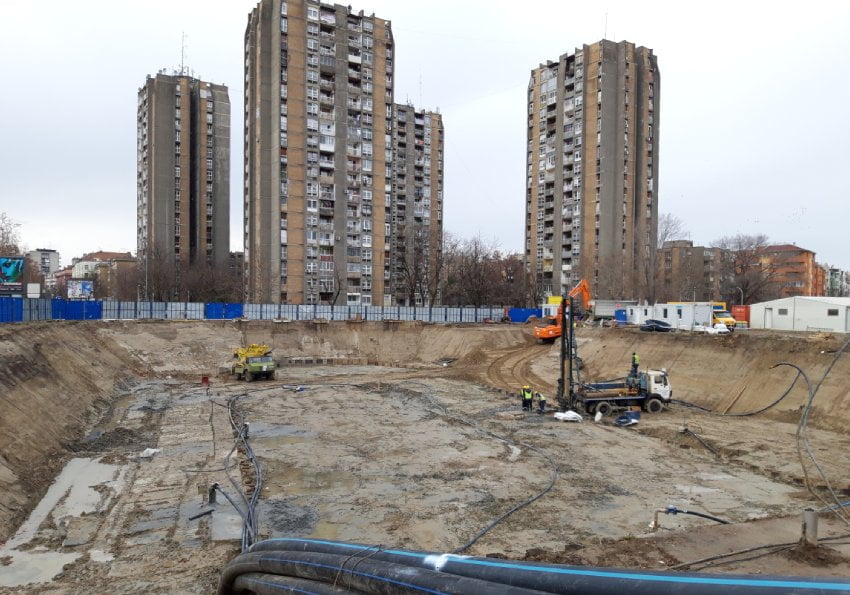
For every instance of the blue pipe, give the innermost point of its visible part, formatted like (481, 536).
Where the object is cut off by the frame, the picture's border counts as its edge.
(567, 579)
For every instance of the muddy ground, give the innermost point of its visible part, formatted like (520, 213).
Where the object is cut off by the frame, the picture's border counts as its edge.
(420, 449)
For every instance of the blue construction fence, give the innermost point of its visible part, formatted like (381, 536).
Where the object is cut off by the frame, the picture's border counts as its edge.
(26, 310)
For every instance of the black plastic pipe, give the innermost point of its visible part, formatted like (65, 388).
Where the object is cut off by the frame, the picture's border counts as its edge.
(553, 578)
(273, 584)
(359, 573)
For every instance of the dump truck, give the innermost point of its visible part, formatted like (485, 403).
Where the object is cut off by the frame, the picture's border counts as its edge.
(253, 362)
(550, 332)
(650, 390)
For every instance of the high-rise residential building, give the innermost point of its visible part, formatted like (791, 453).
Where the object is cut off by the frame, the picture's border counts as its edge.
(592, 171)
(318, 156)
(692, 273)
(183, 172)
(416, 229)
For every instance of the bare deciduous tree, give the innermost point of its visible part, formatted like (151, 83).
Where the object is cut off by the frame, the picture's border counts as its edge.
(10, 237)
(751, 273)
(670, 228)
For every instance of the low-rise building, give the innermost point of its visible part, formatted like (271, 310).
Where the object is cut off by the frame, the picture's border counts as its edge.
(793, 270)
(802, 313)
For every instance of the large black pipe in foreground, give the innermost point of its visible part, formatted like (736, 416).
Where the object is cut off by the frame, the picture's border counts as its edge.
(361, 574)
(504, 574)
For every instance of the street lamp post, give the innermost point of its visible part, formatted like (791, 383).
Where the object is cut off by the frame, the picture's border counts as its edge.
(742, 295)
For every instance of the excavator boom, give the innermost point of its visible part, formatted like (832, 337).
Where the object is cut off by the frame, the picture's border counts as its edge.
(553, 331)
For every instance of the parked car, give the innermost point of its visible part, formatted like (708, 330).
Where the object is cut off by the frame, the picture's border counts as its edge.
(718, 329)
(658, 326)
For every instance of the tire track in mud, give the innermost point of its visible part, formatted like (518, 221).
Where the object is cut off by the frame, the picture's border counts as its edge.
(512, 369)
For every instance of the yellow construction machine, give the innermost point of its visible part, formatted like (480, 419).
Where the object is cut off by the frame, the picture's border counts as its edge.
(253, 362)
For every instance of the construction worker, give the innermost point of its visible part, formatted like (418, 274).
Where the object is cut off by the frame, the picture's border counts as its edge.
(527, 396)
(541, 403)
(635, 364)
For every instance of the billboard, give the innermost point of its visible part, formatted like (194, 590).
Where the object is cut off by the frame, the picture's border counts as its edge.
(11, 274)
(80, 289)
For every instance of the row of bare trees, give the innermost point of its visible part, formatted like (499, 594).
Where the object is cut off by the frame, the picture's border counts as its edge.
(747, 270)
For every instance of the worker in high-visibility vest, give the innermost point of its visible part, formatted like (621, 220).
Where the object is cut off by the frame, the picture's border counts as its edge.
(527, 395)
(541, 403)
(635, 364)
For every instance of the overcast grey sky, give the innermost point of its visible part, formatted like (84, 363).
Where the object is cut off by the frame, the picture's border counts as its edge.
(755, 124)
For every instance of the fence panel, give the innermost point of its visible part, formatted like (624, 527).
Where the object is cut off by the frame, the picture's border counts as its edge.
(214, 311)
(270, 311)
(325, 312)
(37, 309)
(195, 311)
(339, 312)
(233, 311)
(110, 310)
(83, 310)
(175, 310)
(453, 314)
(289, 312)
(374, 313)
(11, 309)
(252, 311)
(422, 313)
(159, 310)
(306, 312)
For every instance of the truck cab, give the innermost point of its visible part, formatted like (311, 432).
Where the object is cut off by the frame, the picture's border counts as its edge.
(654, 383)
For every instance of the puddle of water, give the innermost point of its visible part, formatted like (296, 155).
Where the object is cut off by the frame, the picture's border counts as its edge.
(100, 556)
(74, 489)
(32, 567)
(119, 408)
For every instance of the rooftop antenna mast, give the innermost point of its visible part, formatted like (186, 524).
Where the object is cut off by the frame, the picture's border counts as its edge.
(605, 31)
(182, 52)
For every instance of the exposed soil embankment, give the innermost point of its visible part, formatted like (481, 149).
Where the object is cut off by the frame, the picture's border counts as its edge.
(55, 380)
(732, 373)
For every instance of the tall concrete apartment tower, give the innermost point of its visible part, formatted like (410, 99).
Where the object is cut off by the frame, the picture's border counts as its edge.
(318, 157)
(592, 171)
(417, 218)
(183, 171)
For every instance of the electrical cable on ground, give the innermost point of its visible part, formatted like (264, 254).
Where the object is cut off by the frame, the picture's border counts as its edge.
(477, 427)
(802, 430)
(747, 550)
(745, 413)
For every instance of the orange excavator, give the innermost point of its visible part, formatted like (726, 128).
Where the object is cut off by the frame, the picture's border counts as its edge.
(552, 331)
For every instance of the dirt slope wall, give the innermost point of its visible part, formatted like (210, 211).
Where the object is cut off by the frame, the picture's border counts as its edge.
(730, 372)
(55, 379)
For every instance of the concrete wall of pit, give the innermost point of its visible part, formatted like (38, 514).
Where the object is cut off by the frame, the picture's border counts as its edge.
(59, 379)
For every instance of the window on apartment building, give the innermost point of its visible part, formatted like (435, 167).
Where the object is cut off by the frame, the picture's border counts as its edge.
(313, 45)
(176, 171)
(312, 13)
